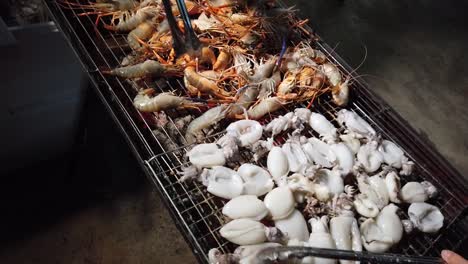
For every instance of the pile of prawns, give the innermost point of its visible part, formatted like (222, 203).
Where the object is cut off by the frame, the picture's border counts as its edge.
(253, 58)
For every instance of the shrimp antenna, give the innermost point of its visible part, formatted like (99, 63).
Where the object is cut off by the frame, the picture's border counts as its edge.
(362, 62)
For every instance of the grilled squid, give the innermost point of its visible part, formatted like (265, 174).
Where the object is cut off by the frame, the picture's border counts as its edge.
(278, 165)
(244, 232)
(328, 183)
(294, 226)
(414, 192)
(248, 131)
(319, 152)
(321, 125)
(355, 125)
(353, 143)
(301, 186)
(280, 124)
(257, 180)
(280, 201)
(382, 233)
(369, 157)
(344, 158)
(426, 217)
(394, 156)
(321, 238)
(297, 159)
(345, 232)
(206, 155)
(245, 206)
(222, 182)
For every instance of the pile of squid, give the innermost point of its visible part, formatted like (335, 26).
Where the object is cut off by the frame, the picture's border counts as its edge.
(319, 188)
(248, 64)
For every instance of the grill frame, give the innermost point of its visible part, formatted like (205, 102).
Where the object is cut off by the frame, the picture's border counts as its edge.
(188, 207)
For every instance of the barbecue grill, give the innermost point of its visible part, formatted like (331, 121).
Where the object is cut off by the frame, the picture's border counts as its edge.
(196, 212)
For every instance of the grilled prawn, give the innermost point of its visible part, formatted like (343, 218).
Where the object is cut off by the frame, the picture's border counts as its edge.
(162, 101)
(210, 117)
(147, 68)
(140, 33)
(204, 85)
(266, 106)
(127, 22)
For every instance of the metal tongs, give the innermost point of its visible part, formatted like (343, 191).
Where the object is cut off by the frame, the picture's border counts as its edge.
(182, 43)
(282, 254)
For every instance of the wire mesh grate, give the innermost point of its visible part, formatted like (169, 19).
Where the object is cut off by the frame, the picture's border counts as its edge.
(196, 212)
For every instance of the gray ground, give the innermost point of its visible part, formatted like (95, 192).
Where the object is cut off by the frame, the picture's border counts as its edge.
(418, 63)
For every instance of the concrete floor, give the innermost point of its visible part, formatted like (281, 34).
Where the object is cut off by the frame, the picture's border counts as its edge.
(418, 63)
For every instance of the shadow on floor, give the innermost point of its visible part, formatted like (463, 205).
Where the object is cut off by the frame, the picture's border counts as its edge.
(96, 171)
(90, 206)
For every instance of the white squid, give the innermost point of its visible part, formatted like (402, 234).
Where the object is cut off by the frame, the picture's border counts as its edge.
(345, 232)
(319, 152)
(344, 158)
(280, 201)
(278, 165)
(245, 206)
(222, 182)
(206, 155)
(294, 226)
(355, 125)
(248, 131)
(394, 156)
(323, 127)
(328, 184)
(297, 159)
(321, 238)
(382, 233)
(369, 157)
(257, 180)
(244, 232)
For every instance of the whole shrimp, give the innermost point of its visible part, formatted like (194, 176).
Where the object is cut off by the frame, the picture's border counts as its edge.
(263, 70)
(209, 118)
(268, 86)
(147, 68)
(204, 85)
(247, 96)
(127, 22)
(162, 101)
(265, 106)
(102, 6)
(340, 93)
(140, 33)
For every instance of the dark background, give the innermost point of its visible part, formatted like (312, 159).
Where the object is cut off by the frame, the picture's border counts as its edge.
(71, 190)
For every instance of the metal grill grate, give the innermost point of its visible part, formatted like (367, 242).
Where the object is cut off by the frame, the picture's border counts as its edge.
(196, 212)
